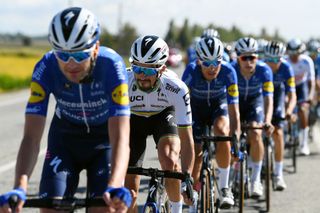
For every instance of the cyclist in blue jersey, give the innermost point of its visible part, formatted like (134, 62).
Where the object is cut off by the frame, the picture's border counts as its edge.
(214, 102)
(90, 128)
(284, 86)
(255, 101)
(160, 107)
(303, 68)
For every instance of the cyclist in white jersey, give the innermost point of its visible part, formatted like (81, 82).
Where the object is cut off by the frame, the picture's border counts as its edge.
(160, 106)
(303, 68)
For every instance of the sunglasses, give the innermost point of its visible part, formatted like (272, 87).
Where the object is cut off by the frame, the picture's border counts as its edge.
(272, 60)
(78, 57)
(214, 63)
(248, 57)
(147, 71)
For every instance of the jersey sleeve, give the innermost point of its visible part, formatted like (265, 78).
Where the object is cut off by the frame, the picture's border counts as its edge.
(267, 81)
(187, 77)
(181, 102)
(39, 89)
(290, 85)
(311, 70)
(118, 88)
(231, 82)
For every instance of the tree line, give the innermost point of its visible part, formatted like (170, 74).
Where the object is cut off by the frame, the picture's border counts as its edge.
(176, 36)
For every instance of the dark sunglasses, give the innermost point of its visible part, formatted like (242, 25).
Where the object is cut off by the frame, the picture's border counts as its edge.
(214, 63)
(78, 57)
(147, 71)
(248, 57)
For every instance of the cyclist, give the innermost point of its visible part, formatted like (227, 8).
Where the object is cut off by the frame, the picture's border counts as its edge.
(91, 121)
(284, 83)
(303, 68)
(255, 101)
(160, 107)
(214, 102)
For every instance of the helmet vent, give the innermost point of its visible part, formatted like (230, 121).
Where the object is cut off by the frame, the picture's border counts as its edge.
(54, 33)
(81, 32)
(154, 53)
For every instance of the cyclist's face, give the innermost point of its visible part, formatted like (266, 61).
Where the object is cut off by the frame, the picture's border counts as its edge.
(209, 72)
(247, 63)
(75, 71)
(146, 82)
(294, 58)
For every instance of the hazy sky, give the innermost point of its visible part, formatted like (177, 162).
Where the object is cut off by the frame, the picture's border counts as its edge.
(293, 18)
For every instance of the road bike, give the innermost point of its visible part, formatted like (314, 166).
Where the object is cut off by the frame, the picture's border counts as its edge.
(157, 199)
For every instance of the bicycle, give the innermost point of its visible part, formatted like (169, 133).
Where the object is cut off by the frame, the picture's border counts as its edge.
(292, 142)
(208, 200)
(157, 199)
(241, 182)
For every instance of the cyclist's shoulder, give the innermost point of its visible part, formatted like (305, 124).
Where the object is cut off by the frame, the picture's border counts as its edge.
(262, 67)
(109, 54)
(173, 84)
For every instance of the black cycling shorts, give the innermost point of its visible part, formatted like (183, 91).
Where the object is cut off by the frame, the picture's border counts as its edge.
(158, 125)
(70, 150)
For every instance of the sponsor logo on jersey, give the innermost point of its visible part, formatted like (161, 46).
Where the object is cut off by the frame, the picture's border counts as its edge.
(268, 86)
(233, 90)
(291, 82)
(186, 99)
(171, 88)
(136, 98)
(120, 94)
(37, 93)
(37, 74)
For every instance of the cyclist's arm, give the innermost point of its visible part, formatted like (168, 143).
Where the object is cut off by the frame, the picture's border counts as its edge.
(234, 119)
(268, 108)
(187, 148)
(29, 149)
(292, 101)
(119, 130)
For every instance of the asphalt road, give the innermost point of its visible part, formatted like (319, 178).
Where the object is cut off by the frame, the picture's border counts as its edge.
(302, 194)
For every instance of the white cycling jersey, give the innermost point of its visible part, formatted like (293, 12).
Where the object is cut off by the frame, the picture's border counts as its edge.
(169, 91)
(303, 69)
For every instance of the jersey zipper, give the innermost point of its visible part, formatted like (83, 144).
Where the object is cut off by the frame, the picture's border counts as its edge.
(83, 110)
(208, 96)
(247, 89)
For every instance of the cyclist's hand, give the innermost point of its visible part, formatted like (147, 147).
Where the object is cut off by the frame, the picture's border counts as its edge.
(268, 129)
(291, 117)
(117, 199)
(187, 191)
(4, 200)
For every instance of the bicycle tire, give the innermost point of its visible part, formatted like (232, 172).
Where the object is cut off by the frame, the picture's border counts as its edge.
(267, 174)
(294, 154)
(241, 186)
(206, 198)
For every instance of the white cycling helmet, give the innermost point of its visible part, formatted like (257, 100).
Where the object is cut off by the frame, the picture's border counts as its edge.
(295, 46)
(73, 29)
(274, 49)
(149, 49)
(246, 45)
(209, 49)
(211, 33)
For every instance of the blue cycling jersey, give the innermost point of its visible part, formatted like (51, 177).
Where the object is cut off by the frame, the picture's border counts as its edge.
(284, 76)
(261, 81)
(203, 91)
(317, 67)
(89, 103)
(191, 54)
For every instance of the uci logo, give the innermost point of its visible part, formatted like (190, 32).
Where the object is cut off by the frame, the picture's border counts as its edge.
(136, 98)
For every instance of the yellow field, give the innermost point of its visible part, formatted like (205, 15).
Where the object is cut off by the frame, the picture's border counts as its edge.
(18, 67)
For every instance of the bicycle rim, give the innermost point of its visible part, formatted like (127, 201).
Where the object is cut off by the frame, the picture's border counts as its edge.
(241, 186)
(267, 178)
(206, 197)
